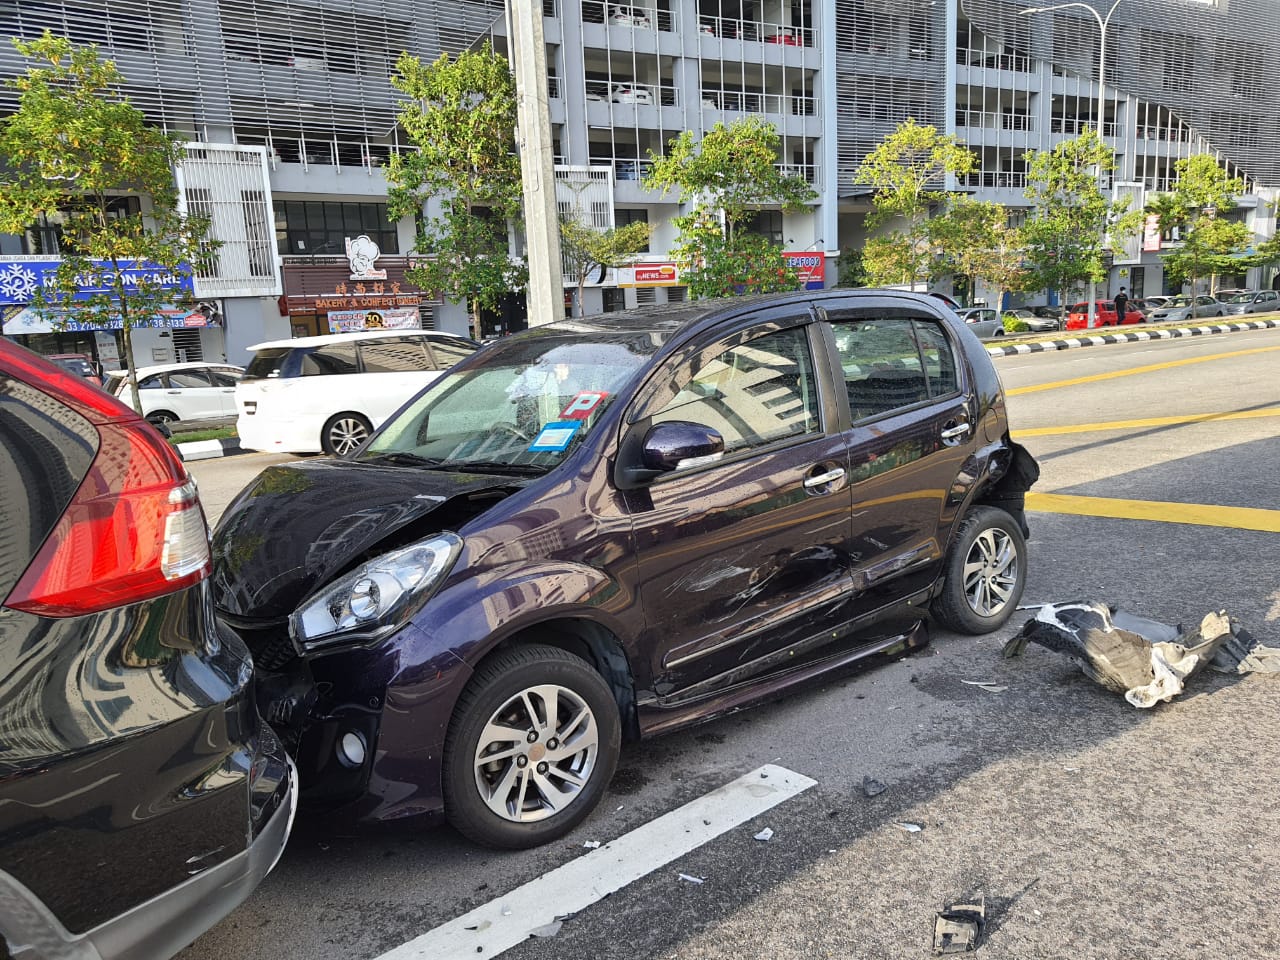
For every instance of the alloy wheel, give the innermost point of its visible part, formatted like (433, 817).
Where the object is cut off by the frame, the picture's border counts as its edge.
(346, 434)
(990, 572)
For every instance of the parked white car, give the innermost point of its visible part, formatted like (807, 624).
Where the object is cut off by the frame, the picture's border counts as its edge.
(180, 391)
(628, 17)
(630, 93)
(328, 394)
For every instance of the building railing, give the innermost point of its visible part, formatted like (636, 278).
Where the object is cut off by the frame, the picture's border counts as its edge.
(750, 102)
(994, 120)
(809, 171)
(1181, 135)
(993, 60)
(755, 31)
(626, 168)
(1074, 126)
(325, 152)
(643, 94)
(995, 178)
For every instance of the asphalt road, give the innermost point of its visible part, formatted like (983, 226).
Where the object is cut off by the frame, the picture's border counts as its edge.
(1091, 828)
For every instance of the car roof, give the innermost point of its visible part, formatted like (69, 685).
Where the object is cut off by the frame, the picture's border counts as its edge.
(174, 367)
(328, 338)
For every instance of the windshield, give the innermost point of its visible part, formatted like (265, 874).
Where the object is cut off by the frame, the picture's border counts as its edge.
(1242, 298)
(519, 409)
(1179, 302)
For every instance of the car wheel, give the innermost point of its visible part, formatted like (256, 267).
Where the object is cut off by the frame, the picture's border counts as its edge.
(531, 748)
(344, 433)
(158, 417)
(985, 572)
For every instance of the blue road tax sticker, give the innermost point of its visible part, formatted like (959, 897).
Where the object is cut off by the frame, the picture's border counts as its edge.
(555, 437)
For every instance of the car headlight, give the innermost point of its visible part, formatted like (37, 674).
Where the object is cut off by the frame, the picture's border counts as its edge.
(375, 598)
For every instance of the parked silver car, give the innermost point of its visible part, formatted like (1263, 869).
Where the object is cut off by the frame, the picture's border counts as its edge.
(984, 321)
(1189, 308)
(1254, 301)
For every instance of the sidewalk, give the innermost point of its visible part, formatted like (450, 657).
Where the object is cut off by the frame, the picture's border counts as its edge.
(1136, 333)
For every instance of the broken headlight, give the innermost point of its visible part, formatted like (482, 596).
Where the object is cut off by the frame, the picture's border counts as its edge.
(375, 598)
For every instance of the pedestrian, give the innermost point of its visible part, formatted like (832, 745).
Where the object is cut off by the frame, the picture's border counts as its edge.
(1122, 305)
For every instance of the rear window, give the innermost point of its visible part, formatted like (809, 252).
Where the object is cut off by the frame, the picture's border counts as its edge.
(271, 362)
(397, 355)
(332, 358)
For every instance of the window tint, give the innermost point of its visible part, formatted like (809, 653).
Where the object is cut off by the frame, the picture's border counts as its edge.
(273, 362)
(893, 363)
(449, 352)
(755, 393)
(332, 358)
(227, 378)
(153, 382)
(398, 355)
(189, 378)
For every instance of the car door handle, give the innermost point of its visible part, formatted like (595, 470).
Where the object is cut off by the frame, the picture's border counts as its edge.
(822, 479)
(959, 430)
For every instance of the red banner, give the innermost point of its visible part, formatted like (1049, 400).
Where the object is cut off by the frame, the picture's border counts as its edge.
(812, 267)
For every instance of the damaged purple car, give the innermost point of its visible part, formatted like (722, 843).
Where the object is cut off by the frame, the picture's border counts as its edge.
(608, 528)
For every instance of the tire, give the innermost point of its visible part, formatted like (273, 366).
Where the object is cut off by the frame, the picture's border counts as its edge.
(157, 417)
(991, 549)
(489, 802)
(343, 433)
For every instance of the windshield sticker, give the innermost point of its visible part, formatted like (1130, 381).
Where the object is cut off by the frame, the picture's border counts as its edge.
(583, 405)
(555, 437)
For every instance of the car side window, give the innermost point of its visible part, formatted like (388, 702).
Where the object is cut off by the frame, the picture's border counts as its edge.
(189, 378)
(153, 382)
(754, 394)
(224, 379)
(893, 363)
(330, 359)
(399, 355)
(448, 352)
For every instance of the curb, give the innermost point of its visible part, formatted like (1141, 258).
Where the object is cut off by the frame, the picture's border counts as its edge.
(209, 449)
(1171, 333)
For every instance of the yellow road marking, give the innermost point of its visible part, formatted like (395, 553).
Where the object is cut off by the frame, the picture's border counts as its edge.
(1149, 368)
(1198, 514)
(1148, 422)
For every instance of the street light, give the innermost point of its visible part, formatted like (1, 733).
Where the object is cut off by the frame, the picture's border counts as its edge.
(1103, 23)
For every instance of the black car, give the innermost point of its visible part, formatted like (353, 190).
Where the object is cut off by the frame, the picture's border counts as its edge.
(608, 528)
(141, 798)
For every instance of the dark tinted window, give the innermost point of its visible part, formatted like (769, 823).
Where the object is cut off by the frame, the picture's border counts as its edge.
(189, 378)
(939, 361)
(332, 358)
(399, 355)
(221, 379)
(449, 352)
(45, 451)
(272, 362)
(894, 362)
(153, 382)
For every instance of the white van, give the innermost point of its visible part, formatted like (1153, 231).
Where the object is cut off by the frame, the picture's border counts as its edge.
(327, 394)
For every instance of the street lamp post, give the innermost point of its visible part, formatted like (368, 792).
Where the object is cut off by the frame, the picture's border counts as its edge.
(1103, 23)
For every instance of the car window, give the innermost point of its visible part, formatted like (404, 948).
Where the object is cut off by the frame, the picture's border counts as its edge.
(153, 382)
(892, 363)
(332, 358)
(449, 352)
(225, 378)
(272, 362)
(754, 394)
(398, 355)
(189, 378)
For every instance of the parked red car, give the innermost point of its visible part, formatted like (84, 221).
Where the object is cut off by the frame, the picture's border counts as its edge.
(1105, 313)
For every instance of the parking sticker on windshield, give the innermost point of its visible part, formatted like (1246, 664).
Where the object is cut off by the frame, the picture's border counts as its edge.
(555, 437)
(581, 406)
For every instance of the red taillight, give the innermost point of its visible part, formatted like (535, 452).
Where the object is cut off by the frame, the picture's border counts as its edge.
(134, 530)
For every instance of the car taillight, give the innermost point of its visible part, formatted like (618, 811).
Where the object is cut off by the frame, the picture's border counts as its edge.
(133, 531)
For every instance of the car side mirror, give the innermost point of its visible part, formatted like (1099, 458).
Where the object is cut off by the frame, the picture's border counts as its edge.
(673, 445)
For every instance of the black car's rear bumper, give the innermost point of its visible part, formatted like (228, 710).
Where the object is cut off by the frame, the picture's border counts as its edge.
(169, 922)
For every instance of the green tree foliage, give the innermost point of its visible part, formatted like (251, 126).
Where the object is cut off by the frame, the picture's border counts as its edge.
(726, 177)
(1064, 235)
(1210, 244)
(908, 171)
(586, 248)
(973, 239)
(461, 115)
(853, 268)
(73, 145)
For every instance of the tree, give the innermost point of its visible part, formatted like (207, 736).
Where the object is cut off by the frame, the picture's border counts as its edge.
(908, 171)
(461, 115)
(973, 239)
(1210, 244)
(1064, 236)
(586, 248)
(73, 145)
(726, 177)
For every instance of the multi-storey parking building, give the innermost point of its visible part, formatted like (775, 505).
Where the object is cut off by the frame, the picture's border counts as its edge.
(290, 113)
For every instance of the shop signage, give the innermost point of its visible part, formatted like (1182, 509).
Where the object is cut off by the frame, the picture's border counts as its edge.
(21, 277)
(362, 254)
(30, 320)
(1151, 234)
(653, 275)
(367, 296)
(810, 265)
(347, 321)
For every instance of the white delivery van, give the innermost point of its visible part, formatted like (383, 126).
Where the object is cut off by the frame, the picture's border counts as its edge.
(327, 394)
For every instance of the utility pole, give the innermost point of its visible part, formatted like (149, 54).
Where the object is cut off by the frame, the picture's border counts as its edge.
(537, 165)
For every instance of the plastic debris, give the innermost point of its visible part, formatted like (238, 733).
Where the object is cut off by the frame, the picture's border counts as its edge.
(765, 834)
(591, 844)
(506, 911)
(688, 879)
(1147, 661)
(986, 685)
(872, 787)
(958, 927)
(547, 929)
(909, 827)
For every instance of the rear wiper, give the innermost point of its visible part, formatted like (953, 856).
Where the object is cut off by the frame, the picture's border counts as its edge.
(498, 466)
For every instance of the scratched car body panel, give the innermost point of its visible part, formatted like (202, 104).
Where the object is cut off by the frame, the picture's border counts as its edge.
(687, 508)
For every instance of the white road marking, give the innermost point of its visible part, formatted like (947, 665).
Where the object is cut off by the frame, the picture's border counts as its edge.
(508, 920)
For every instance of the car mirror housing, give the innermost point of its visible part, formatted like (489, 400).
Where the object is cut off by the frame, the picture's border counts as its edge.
(673, 445)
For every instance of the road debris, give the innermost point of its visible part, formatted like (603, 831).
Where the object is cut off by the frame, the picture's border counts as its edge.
(547, 929)
(958, 927)
(591, 844)
(988, 685)
(765, 834)
(909, 827)
(872, 787)
(1147, 661)
(688, 879)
